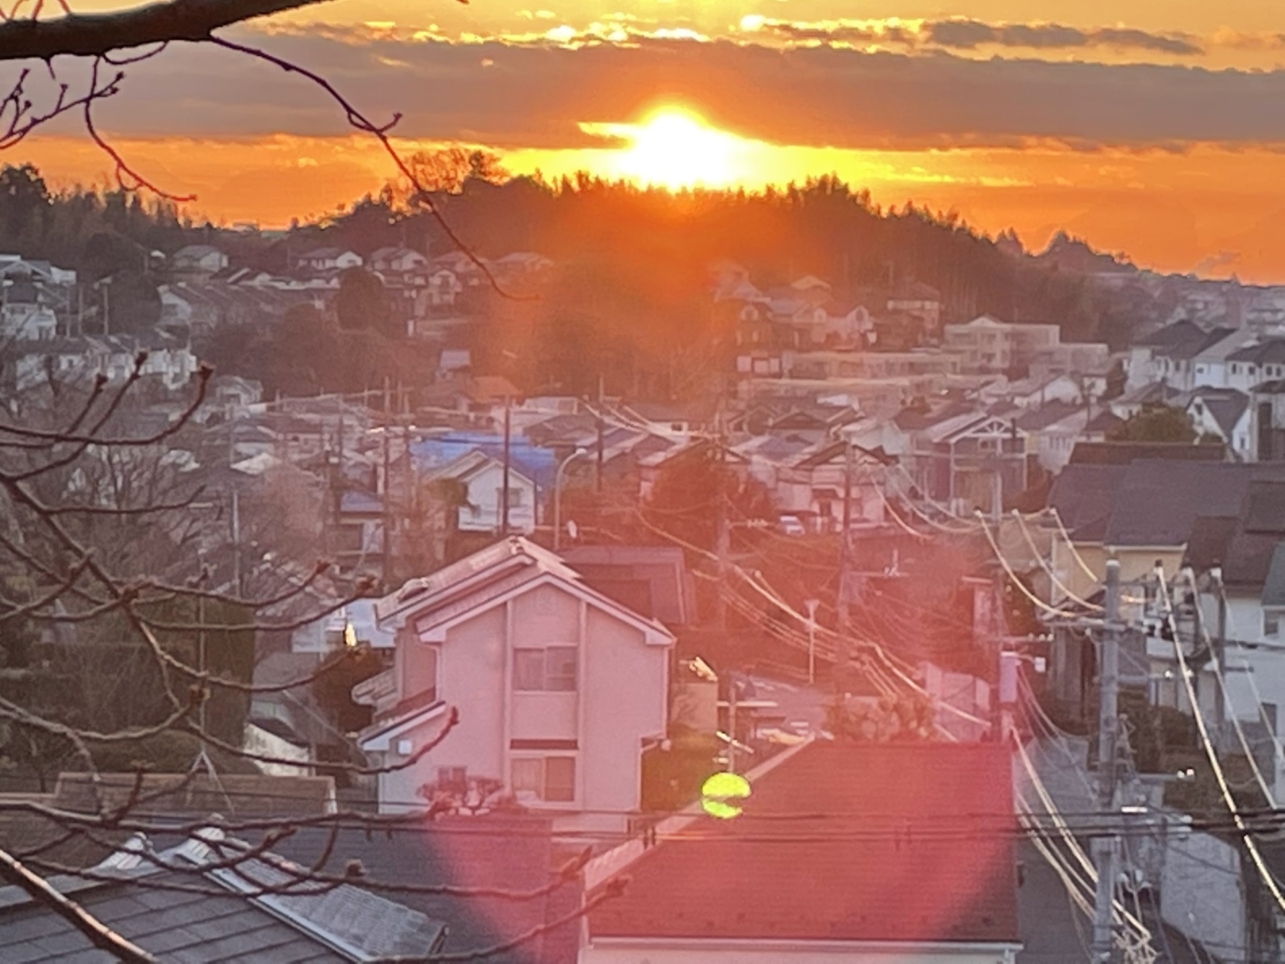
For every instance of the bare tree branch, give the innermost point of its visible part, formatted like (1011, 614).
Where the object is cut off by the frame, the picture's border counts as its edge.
(95, 35)
(100, 935)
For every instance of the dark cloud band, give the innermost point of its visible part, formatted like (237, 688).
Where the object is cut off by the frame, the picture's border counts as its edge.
(536, 94)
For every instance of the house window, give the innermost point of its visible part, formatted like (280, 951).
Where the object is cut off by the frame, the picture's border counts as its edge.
(1271, 623)
(545, 670)
(549, 778)
(515, 496)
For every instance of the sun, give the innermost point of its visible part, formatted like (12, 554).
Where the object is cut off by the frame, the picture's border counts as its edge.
(675, 148)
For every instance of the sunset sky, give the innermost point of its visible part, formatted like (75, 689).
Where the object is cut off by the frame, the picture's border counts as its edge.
(1156, 129)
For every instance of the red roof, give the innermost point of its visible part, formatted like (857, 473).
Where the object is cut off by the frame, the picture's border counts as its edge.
(841, 842)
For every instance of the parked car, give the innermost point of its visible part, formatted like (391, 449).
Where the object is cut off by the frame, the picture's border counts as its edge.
(791, 526)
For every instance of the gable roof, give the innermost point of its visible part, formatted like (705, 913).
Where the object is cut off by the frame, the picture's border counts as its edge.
(1269, 352)
(465, 467)
(506, 851)
(662, 571)
(492, 574)
(189, 909)
(866, 819)
(1225, 406)
(1050, 414)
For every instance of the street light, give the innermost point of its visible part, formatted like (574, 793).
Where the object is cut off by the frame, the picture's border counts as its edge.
(811, 638)
(557, 495)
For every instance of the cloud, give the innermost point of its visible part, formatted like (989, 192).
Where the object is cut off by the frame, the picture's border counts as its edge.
(536, 94)
(969, 34)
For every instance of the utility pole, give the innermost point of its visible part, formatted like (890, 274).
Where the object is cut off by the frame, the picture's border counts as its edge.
(843, 649)
(731, 722)
(1220, 647)
(386, 498)
(812, 638)
(721, 544)
(602, 438)
(1106, 849)
(504, 490)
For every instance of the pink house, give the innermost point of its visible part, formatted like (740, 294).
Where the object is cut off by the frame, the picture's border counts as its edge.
(558, 689)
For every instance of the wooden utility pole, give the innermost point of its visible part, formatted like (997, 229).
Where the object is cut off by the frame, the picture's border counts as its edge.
(1106, 846)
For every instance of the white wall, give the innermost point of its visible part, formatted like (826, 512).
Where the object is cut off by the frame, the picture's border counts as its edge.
(483, 492)
(621, 697)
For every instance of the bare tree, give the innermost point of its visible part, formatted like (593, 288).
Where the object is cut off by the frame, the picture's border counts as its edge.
(97, 530)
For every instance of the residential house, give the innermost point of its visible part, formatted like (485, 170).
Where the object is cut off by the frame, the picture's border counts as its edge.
(811, 487)
(1032, 392)
(1257, 362)
(870, 365)
(989, 345)
(652, 580)
(113, 356)
(1171, 354)
(213, 898)
(443, 287)
(743, 890)
(1072, 358)
(15, 266)
(462, 868)
(1054, 429)
(1267, 421)
(966, 458)
(1132, 402)
(1239, 561)
(396, 261)
(198, 260)
(26, 312)
(918, 300)
(1222, 413)
(558, 689)
(328, 259)
(482, 478)
(659, 418)
(1139, 512)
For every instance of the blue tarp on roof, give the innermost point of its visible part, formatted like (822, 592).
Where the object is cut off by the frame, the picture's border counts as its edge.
(532, 461)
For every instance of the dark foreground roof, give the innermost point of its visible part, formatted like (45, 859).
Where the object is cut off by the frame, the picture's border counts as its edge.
(187, 910)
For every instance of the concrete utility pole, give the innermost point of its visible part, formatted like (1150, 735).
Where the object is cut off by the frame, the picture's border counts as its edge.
(504, 487)
(812, 638)
(1220, 648)
(843, 651)
(1106, 849)
(722, 536)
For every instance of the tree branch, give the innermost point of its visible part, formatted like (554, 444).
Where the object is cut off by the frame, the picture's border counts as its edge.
(96, 35)
(99, 934)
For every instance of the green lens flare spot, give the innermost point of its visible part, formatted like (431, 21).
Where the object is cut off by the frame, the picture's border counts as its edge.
(722, 793)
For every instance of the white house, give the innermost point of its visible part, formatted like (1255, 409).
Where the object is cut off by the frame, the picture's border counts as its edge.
(25, 312)
(329, 259)
(558, 689)
(990, 345)
(397, 260)
(1222, 413)
(483, 479)
(1029, 393)
(443, 287)
(198, 259)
